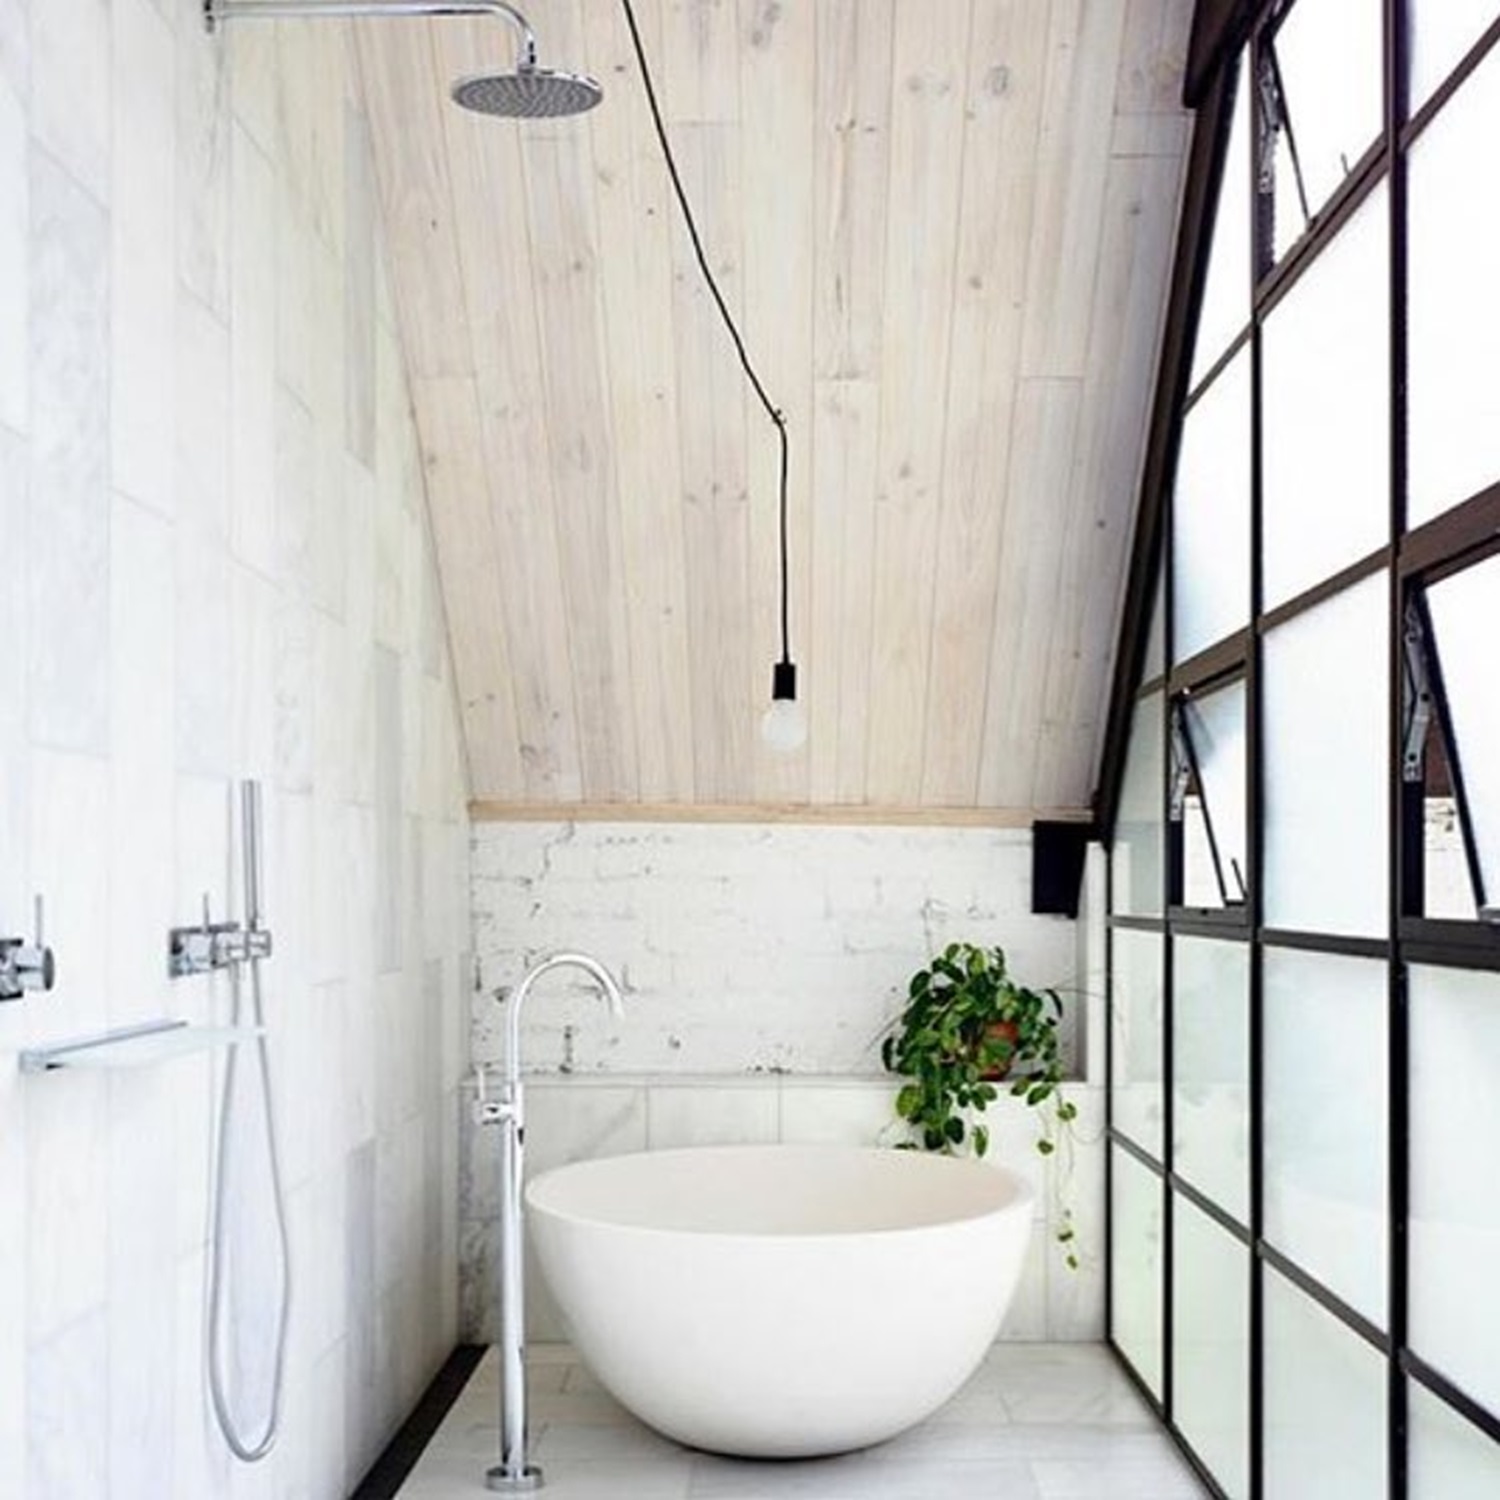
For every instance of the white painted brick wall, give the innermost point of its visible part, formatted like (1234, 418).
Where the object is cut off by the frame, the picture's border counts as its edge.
(742, 949)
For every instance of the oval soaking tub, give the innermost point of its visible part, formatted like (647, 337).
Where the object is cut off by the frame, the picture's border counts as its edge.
(781, 1301)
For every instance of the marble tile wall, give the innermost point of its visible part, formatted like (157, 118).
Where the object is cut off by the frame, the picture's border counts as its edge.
(218, 567)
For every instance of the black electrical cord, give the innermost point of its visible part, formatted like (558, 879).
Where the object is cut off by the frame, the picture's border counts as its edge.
(777, 417)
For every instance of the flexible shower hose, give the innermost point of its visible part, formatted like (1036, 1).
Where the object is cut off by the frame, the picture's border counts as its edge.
(242, 1447)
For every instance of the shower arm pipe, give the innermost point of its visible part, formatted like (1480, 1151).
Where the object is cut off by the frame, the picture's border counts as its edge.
(217, 11)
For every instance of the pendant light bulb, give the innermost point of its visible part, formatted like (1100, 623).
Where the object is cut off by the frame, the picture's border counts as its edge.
(783, 726)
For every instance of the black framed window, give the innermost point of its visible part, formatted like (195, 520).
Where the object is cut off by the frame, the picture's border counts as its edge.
(1208, 797)
(1317, 122)
(1305, 1069)
(1461, 629)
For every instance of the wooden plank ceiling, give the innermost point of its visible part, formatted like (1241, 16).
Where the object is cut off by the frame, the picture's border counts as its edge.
(945, 226)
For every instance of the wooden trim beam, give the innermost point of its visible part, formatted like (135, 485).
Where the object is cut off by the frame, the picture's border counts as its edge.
(830, 815)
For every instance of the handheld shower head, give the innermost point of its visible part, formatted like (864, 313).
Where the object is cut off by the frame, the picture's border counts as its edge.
(527, 94)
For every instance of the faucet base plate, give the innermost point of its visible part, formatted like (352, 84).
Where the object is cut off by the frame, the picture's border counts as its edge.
(507, 1482)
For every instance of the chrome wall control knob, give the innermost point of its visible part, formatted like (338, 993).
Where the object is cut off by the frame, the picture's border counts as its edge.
(26, 967)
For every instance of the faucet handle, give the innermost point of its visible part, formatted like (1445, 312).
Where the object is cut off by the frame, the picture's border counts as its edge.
(487, 1111)
(27, 966)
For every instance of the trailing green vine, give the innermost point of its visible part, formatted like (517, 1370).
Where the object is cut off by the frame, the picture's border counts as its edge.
(967, 1030)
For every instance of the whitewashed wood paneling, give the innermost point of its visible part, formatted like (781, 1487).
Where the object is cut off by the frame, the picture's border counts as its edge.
(946, 229)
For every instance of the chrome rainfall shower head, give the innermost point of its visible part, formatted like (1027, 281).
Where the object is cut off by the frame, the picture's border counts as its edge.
(528, 93)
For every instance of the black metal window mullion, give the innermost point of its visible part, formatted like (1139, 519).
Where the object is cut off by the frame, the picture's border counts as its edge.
(1255, 902)
(1397, 76)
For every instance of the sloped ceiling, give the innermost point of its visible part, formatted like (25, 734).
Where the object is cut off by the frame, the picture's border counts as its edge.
(945, 226)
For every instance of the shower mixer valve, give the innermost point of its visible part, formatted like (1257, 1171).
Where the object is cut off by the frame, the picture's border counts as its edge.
(26, 966)
(214, 945)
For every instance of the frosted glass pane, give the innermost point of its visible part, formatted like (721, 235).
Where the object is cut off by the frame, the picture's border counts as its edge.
(1455, 1192)
(1211, 515)
(1325, 386)
(1325, 698)
(1465, 613)
(1325, 1403)
(1135, 1266)
(1136, 857)
(1448, 1458)
(1136, 1046)
(1331, 57)
(1211, 1083)
(1442, 32)
(1325, 1120)
(1211, 1345)
(1156, 638)
(1453, 301)
(1226, 292)
(1215, 727)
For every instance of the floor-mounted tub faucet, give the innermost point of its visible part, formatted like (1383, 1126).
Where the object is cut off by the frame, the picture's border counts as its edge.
(513, 1474)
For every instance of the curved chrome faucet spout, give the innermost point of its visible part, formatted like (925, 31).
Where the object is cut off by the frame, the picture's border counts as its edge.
(517, 998)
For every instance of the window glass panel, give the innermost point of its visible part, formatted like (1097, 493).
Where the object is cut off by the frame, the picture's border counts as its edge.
(1135, 1265)
(1447, 885)
(1136, 856)
(1211, 1345)
(1453, 301)
(1465, 614)
(1326, 692)
(1325, 1120)
(1211, 1082)
(1326, 410)
(1330, 56)
(1325, 1402)
(1136, 1045)
(1226, 290)
(1455, 1194)
(1213, 724)
(1451, 1459)
(1442, 32)
(1211, 515)
(1156, 638)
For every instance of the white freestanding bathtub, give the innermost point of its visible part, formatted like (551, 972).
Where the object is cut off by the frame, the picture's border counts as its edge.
(781, 1301)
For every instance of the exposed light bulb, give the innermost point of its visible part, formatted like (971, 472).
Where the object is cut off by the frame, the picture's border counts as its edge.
(783, 726)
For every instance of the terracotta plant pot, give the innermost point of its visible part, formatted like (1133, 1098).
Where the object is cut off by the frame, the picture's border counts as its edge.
(1001, 1031)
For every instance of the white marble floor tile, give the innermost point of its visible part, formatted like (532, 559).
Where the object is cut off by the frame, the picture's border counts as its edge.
(1037, 1422)
(860, 1476)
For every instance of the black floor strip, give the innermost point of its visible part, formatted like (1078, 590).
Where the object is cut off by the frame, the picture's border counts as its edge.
(388, 1472)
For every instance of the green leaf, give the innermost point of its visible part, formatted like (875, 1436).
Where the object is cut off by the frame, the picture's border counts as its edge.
(1045, 1147)
(954, 1129)
(888, 1054)
(1066, 1111)
(981, 1140)
(909, 1101)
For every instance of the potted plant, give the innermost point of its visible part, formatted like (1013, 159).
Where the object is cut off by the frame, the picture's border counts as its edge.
(968, 1028)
